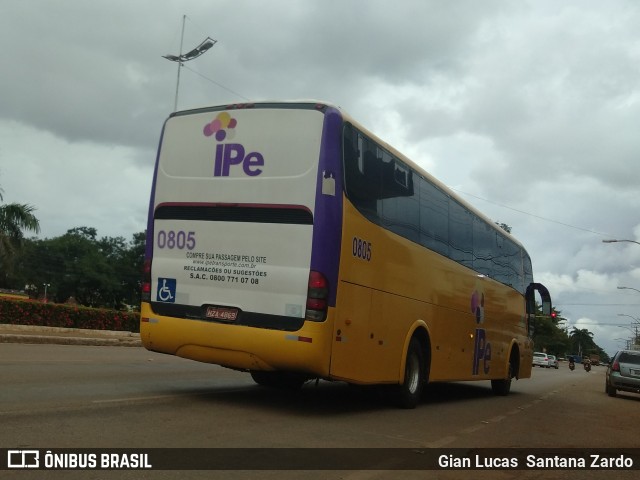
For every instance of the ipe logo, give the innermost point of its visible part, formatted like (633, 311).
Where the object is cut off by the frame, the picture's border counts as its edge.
(481, 348)
(230, 154)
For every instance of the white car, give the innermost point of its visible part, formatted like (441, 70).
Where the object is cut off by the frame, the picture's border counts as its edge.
(553, 361)
(540, 359)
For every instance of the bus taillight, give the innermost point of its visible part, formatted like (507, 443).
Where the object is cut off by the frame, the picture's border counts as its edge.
(146, 281)
(317, 297)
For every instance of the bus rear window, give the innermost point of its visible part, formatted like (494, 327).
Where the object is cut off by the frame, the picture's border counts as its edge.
(251, 144)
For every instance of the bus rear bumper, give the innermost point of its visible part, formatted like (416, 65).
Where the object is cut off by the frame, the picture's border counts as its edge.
(239, 347)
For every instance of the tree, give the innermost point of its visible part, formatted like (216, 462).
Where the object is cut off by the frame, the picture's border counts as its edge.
(14, 218)
(131, 269)
(96, 272)
(504, 226)
(582, 341)
(126, 260)
(548, 336)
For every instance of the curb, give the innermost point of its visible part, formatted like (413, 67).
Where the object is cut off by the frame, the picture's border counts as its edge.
(67, 336)
(44, 339)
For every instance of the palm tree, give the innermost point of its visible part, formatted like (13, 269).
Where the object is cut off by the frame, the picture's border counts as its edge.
(582, 339)
(14, 218)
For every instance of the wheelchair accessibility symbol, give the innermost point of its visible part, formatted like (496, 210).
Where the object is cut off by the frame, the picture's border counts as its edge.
(166, 290)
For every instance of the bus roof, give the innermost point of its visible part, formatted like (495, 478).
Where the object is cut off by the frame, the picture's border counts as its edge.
(322, 106)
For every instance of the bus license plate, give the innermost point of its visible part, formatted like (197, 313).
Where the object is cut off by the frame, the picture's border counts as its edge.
(220, 313)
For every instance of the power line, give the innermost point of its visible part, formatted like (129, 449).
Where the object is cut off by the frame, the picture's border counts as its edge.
(214, 82)
(557, 222)
(601, 304)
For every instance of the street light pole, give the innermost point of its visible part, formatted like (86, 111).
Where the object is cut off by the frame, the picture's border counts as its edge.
(206, 44)
(46, 285)
(175, 103)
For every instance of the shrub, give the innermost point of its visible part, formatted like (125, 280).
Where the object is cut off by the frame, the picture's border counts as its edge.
(26, 312)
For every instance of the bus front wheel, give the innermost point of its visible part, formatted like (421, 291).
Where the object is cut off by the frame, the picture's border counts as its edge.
(409, 392)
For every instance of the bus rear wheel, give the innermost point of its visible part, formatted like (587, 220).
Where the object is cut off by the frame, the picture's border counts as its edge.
(409, 392)
(502, 387)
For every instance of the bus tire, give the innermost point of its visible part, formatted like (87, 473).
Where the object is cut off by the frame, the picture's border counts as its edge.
(502, 387)
(283, 380)
(409, 392)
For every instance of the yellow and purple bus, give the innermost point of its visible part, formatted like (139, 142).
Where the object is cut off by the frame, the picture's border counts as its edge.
(286, 240)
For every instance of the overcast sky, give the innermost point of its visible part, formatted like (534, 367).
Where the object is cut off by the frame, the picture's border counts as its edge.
(529, 109)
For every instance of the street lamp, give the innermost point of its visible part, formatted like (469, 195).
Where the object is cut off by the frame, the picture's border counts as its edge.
(206, 44)
(46, 285)
(616, 241)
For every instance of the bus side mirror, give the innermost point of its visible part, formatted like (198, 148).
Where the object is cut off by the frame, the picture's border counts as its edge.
(530, 298)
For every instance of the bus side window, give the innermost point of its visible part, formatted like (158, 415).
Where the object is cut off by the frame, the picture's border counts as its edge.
(363, 172)
(434, 218)
(460, 234)
(360, 153)
(397, 178)
(354, 163)
(401, 211)
(484, 241)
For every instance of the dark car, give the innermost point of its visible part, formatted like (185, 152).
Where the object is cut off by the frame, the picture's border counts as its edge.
(623, 373)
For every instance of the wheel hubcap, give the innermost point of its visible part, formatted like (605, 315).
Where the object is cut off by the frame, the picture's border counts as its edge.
(413, 377)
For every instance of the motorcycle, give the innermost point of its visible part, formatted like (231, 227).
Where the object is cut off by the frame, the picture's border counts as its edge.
(572, 366)
(587, 366)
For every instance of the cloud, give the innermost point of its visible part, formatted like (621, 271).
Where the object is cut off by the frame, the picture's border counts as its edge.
(528, 109)
(74, 184)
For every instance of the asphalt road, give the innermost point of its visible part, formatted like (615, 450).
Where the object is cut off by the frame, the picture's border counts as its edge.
(61, 396)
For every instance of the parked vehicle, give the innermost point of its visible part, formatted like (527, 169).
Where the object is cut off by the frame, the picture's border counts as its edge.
(540, 359)
(553, 361)
(623, 373)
